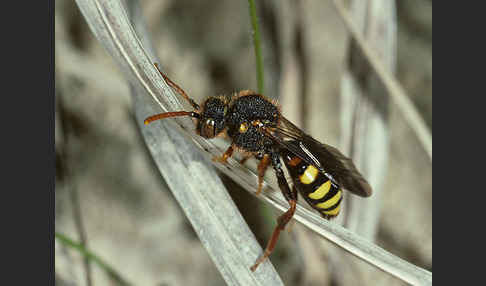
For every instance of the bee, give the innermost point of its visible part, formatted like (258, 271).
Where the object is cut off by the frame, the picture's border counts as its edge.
(258, 129)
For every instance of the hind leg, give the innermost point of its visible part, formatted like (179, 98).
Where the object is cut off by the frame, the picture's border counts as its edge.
(291, 197)
(262, 167)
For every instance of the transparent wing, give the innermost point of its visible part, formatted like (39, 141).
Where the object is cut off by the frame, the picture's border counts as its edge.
(326, 158)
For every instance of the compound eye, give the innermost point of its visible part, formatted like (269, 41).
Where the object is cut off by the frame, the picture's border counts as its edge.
(207, 129)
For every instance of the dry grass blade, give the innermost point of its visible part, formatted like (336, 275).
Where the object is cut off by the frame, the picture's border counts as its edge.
(364, 116)
(214, 217)
(357, 245)
(213, 214)
(364, 122)
(394, 89)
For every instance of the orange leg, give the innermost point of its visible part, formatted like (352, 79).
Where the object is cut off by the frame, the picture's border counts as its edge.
(262, 167)
(282, 220)
(225, 156)
(245, 158)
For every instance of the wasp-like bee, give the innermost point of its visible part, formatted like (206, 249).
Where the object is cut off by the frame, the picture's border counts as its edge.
(257, 128)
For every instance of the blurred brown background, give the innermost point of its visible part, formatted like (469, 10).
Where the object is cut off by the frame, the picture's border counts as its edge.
(130, 217)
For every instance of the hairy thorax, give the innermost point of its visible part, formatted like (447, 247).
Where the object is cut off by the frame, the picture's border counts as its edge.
(246, 116)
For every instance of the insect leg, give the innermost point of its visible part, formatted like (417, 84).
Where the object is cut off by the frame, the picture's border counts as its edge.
(225, 156)
(282, 220)
(177, 88)
(262, 167)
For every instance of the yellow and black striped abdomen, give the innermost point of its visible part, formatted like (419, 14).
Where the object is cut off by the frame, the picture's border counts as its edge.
(316, 188)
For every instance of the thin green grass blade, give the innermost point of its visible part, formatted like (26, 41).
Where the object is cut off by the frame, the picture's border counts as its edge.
(92, 257)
